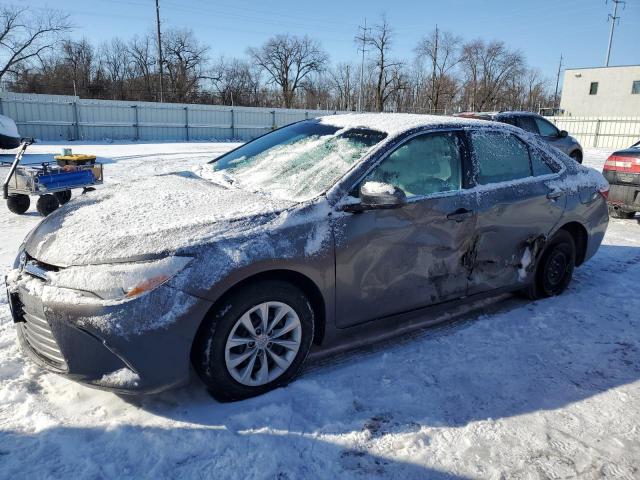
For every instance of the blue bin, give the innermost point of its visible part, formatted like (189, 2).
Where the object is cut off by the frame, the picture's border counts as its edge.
(66, 180)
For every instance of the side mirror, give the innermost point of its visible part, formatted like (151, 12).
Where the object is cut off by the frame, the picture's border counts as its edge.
(562, 133)
(381, 195)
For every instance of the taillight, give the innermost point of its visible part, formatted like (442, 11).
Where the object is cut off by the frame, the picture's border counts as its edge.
(604, 191)
(619, 163)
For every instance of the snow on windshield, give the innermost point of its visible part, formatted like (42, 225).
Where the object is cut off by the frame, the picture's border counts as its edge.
(301, 170)
(298, 166)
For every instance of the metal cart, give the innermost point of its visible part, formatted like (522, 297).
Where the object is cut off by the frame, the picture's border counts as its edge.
(51, 182)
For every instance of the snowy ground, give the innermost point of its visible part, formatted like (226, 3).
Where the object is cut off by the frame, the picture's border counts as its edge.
(549, 389)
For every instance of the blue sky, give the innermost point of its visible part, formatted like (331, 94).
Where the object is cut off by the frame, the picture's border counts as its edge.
(541, 29)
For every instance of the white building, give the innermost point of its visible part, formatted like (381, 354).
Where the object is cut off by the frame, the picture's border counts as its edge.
(601, 92)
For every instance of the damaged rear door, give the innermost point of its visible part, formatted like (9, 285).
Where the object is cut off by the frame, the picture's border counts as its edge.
(516, 211)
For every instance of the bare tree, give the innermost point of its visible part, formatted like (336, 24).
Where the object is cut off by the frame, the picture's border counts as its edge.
(288, 61)
(235, 81)
(141, 50)
(343, 82)
(25, 36)
(387, 70)
(115, 60)
(185, 59)
(488, 68)
(442, 51)
(78, 60)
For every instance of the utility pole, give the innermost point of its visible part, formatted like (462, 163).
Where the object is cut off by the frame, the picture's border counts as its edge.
(348, 91)
(159, 48)
(613, 19)
(363, 39)
(555, 95)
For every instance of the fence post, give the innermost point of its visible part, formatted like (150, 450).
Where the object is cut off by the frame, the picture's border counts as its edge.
(186, 122)
(1, 107)
(306, 115)
(595, 136)
(136, 123)
(76, 119)
(233, 125)
(273, 120)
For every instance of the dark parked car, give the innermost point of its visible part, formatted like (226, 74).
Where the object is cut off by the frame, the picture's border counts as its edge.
(323, 233)
(622, 171)
(538, 125)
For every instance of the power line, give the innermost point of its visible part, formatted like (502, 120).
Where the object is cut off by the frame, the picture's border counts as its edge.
(613, 19)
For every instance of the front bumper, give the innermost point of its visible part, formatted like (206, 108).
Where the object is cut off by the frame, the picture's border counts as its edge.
(140, 345)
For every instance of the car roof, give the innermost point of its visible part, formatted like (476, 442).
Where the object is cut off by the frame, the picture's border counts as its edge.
(397, 123)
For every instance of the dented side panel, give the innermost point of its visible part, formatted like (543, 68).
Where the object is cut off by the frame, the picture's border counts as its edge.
(392, 261)
(513, 223)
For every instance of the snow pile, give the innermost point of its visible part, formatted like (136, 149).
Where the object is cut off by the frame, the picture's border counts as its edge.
(123, 378)
(378, 188)
(525, 262)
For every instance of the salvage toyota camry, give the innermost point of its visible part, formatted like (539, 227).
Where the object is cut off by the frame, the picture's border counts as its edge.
(319, 234)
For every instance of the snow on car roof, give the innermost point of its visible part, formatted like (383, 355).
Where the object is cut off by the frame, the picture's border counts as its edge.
(396, 123)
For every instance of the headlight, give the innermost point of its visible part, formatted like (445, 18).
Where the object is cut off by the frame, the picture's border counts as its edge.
(118, 281)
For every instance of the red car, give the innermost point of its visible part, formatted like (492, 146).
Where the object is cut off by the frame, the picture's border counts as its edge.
(622, 170)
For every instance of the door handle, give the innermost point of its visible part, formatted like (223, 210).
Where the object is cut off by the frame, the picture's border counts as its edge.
(460, 215)
(554, 195)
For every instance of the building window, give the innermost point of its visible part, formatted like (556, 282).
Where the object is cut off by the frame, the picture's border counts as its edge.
(593, 89)
(635, 88)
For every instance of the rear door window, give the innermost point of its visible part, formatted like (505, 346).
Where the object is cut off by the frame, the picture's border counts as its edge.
(499, 157)
(539, 164)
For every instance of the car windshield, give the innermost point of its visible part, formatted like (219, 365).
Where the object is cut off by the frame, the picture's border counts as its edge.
(297, 162)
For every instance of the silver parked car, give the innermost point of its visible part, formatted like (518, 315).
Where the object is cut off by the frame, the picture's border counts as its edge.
(320, 234)
(537, 125)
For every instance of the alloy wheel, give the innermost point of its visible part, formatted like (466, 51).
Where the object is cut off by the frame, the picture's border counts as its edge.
(263, 343)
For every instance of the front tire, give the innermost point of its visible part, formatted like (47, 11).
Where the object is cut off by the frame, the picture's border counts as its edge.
(554, 270)
(257, 340)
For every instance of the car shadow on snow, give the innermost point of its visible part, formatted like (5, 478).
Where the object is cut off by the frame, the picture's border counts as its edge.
(134, 451)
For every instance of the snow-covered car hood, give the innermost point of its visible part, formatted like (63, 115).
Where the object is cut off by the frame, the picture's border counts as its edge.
(154, 216)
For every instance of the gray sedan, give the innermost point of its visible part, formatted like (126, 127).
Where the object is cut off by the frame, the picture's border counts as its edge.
(315, 236)
(537, 125)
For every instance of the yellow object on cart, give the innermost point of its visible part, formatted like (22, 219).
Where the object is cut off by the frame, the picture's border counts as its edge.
(77, 158)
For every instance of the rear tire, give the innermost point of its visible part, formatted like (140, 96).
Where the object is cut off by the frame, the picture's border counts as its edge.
(577, 156)
(617, 213)
(216, 359)
(18, 203)
(555, 266)
(46, 204)
(63, 197)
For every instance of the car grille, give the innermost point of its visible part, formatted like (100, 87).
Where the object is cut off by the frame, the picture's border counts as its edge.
(36, 332)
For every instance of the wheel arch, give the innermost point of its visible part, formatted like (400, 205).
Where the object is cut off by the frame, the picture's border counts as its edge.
(580, 237)
(297, 279)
